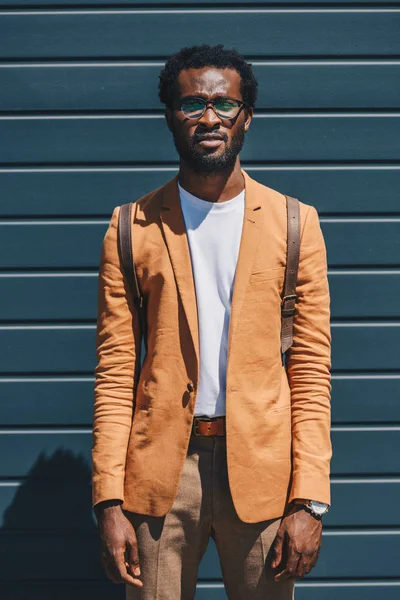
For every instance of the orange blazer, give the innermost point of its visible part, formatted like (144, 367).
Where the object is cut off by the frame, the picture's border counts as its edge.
(277, 417)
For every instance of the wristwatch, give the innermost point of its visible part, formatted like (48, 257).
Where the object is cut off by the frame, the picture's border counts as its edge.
(316, 509)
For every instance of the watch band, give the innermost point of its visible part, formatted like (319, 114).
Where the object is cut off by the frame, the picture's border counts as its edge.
(313, 507)
(308, 508)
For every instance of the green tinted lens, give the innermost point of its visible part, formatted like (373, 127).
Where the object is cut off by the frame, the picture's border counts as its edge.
(192, 108)
(227, 108)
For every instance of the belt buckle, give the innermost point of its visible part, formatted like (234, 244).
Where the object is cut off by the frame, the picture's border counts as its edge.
(197, 419)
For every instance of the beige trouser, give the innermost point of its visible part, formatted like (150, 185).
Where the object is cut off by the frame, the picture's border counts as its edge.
(171, 547)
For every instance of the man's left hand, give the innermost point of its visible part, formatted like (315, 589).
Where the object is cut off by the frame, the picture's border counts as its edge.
(298, 541)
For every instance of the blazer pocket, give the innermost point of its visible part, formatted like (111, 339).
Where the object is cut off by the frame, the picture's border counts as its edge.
(282, 408)
(265, 274)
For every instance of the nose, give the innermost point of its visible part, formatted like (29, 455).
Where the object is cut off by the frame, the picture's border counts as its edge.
(210, 117)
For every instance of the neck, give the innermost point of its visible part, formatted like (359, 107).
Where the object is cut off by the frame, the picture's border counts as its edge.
(214, 187)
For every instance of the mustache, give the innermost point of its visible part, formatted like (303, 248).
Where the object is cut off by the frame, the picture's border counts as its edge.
(199, 137)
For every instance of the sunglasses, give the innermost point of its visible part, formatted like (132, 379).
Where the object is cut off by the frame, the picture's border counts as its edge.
(224, 107)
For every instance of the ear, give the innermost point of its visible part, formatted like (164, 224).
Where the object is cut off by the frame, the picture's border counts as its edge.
(168, 117)
(248, 116)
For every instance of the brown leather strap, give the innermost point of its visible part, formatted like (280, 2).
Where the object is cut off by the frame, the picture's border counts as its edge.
(126, 255)
(289, 296)
(207, 427)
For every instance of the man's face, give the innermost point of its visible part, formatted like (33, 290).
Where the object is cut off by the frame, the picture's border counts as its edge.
(209, 144)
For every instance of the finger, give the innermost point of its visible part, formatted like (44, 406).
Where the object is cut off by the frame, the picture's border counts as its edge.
(291, 565)
(303, 566)
(277, 550)
(111, 575)
(312, 561)
(133, 558)
(284, 574)
(306, 562)
(110, 572)
(122, 573)
(316, 555)
(106, 567)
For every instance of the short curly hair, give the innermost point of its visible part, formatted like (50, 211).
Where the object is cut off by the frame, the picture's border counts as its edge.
(197, 57)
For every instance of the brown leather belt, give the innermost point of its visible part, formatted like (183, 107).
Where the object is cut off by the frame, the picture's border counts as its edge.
(207, 426)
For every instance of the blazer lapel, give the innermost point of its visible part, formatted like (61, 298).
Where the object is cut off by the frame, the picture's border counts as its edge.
(253, 218)
(174, 229)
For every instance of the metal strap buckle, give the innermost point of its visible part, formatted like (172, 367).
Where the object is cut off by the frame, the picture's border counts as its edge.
(288, 312)
(289, 297)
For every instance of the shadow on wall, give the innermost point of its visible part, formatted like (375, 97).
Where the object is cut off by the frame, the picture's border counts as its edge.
(49, 546)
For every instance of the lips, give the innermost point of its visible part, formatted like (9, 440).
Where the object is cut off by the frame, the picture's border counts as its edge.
(209, 138)
(210, 141)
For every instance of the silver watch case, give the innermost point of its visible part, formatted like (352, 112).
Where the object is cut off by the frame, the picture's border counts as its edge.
(319, 508)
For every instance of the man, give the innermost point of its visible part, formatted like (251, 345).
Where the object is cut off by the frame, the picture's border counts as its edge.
(214, 435)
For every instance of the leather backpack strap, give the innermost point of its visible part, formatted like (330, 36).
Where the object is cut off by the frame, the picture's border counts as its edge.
(126, 255)
(289, 297)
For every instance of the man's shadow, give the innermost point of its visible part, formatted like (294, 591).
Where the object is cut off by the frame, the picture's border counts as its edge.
(49, 543)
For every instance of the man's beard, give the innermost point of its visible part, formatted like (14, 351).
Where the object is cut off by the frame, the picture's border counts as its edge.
(210, 162)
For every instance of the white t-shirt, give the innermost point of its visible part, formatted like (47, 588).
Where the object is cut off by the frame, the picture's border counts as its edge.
(214, 231)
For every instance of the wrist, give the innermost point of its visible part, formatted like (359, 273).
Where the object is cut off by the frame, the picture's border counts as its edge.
(315, 508)
(107, 506)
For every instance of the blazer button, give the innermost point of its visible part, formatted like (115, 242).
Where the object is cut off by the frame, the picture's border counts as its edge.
(190, 387)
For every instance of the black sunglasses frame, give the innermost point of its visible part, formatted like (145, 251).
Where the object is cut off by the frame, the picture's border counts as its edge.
(212, 103)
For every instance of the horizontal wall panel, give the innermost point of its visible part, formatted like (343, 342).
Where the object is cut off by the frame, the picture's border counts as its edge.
(54, 556)
(36, 504)
(363, 347)
(134, 86)
(73, 296)
(353, 503)
(52, 297)
(167, 3)
(47, 349)
(125, 33)
(365, 398)
(71, 557)
(305, 590)
(91, 191)
(68, 400)
(342, 555)
(43, 455)
(52, 244)
(71, 348)
(95, 191)
(79, 590)
(47, 401)
(146, 139)
(364, 241)
(77, 243)
(82, 590)
(365, 450)
(23, 452)
(371, 289)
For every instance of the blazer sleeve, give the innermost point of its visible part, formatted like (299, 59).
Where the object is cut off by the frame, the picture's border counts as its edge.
(308, 365)
(117, 342)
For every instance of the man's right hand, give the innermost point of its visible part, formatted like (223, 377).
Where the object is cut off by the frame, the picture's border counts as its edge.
(119, 550)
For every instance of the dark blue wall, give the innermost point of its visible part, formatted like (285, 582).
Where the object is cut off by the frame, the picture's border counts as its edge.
(81, 130)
